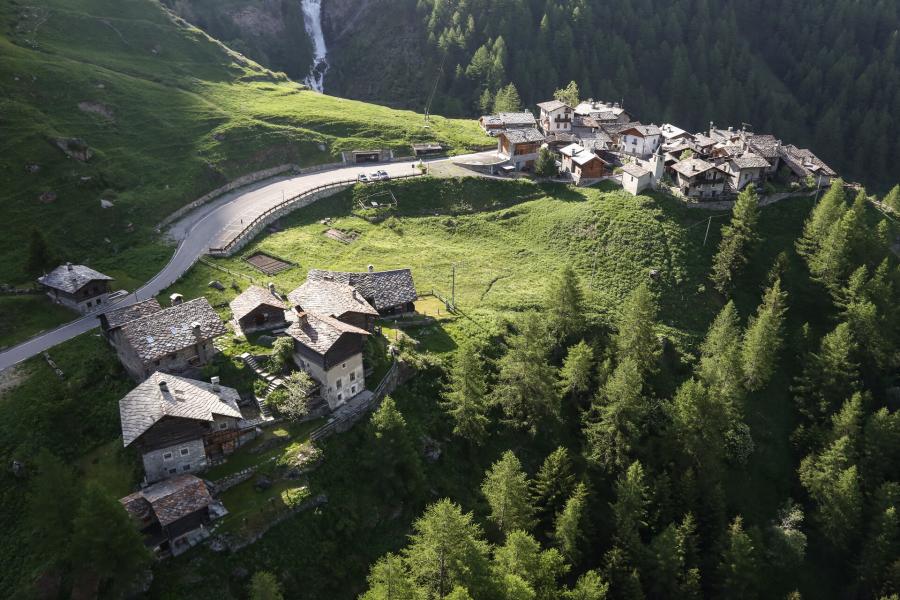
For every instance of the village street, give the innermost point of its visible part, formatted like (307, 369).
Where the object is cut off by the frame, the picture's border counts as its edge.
(200, 229)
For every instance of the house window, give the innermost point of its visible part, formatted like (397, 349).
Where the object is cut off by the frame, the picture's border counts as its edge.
(99, 300)
(353, 389)
(352, 375)
(185, 451)
(89, 303)
(172, 471)
(344, 366)
(186, 467)
(167, 456)
(340, 397)
(223, 425)
(338, 384)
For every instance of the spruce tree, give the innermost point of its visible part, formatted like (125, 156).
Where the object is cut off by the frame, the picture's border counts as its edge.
(565, 305)
(635, 338)
(737, 239)
(545, 165)
(507, 99)
(590, 586)
(465, 395)
(576, 375)
(389, 579)
(831, 479)
(506, 489)
(720, 359)
(738, 564)
(763, 338)
(553, 483)
(569, 531)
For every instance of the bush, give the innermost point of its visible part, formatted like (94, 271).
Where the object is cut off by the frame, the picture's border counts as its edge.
(545, 166)
(282, 350)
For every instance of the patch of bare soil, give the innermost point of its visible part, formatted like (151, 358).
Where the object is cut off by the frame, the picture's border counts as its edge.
(11, 378)
(97, 109)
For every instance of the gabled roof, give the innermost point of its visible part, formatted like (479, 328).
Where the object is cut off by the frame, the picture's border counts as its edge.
(579, 155)
(692, 167)
(164, 395)
(172, 329)
(641, 130)
(704, 140)
(382, 289)
(122, 316)
(765, 145)
(251, 299)
(331, 298)
(552, 105)
(635, 170)
(71, 278)
(522, 136)
(670, 131)
(748, 160)
(803, 161)
(320, 332)
(517, 119)
(170, 500)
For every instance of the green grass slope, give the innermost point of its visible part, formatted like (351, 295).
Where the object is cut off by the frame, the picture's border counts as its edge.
(168, 115)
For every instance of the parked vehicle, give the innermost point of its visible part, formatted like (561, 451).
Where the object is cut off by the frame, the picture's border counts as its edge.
(362, 178)
(384, 175)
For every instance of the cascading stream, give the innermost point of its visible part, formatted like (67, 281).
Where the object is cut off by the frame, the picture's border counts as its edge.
(312, 19)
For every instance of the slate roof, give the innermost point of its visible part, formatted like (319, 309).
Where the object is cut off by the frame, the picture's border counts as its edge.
(692, 167)
(802, 159)
(251, 299)
(704, 140)
(492, 120)
(382, 289)
(71, 278)
(670, 131)
(517, 119)
(552, 105)
(171, 329)
(331, 298)
(580, 156)
(643, 130)
(635, 170)
(522, 136)
(146, 404)
(320, 332)
(765, 145)
(750, 161)
(616, 128)
(121, 316)
(170, 500)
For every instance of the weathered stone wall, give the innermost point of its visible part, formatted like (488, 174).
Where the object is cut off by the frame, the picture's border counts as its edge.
(157, 467)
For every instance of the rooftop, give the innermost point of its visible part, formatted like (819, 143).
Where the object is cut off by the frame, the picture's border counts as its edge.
(170, 500)
(523, 136)
(748, 160)
(517, 118)
(165, 395)
(552, 105)
(643, 130)
(692, 167)
(121, 316)
(251, 299)
(331, 298)
(381, 289)
(172, 329)
(635, 170)
(71, 278)
(320, 332)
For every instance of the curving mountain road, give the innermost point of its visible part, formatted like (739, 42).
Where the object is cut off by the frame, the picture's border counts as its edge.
(195, 232)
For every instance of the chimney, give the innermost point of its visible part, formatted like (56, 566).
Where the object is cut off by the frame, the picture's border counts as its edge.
(694, 166)
(730, 129)
(195, 327)
(163, 386)
(68, 266)
(176, 299)
(215, 383)
(302, 317)
(711, 127)
(371, 268)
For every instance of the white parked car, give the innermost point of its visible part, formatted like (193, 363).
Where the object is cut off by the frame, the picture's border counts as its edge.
(362, 178)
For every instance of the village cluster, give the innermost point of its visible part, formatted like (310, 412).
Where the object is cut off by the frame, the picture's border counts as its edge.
(179, 424)
(597, 140)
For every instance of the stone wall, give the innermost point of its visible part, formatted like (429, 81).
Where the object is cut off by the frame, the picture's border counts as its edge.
(157, 467)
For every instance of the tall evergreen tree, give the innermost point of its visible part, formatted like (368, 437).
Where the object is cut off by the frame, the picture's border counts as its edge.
(40, 258)
(522, 557)
(720, 359)
(828, 211)
(565, 305)
(553, 483)
(577, 370)
(569, 531)
(635, 338)
(265, 586)
(590, 586)
(465, 396)
(738, 565)
(507, 99)
(892, 199)
(389, 579)
(832, 481)
(506, 488)
(764, 338)
(829, 375)
(395, 451)
(569, 94)
(51, 504)
(737, 239)
(630, 509)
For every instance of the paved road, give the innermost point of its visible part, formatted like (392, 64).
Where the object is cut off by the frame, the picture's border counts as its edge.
(195, 233)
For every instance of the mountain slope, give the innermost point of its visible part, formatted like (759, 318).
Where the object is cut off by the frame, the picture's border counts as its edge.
(165, 114)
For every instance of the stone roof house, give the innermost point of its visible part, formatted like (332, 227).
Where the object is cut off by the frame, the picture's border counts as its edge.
(331, 351)
(635, 178)
(803, 163)
(334, 299)
(746, 168)
(170, 513)
(257, 309)
(697, 178)
(555, 116)
(177, 424)
(582, 163)
(388, 292)
(77, 287)
(520, 147)
(491, 124)
(175, 339)
(640, 140)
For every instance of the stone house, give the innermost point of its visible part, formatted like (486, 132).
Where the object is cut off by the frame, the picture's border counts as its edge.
(494, 124)
(746, 168)
(555, 116)
(602, 112)
(804, 164)
(172, 512)
(388, 292)
(697, 178)
(583, 164)
(77, 287)
(178, 424)
(257, 309)
(635, 178)
(331, 351)
(334, 299)
(520, 147)
(174, 340)
(111, 322)
(640, 140)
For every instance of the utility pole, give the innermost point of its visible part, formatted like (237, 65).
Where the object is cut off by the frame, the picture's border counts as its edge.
(453, 289)
(706, 235)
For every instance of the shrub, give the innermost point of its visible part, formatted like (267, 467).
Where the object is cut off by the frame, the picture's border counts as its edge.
(282, 350)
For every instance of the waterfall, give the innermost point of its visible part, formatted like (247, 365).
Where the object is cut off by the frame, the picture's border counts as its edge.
(312, 19)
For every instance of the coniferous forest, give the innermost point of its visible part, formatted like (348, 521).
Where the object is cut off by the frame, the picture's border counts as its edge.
(819, 74)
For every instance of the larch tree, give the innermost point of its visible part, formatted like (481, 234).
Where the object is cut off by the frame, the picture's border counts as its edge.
(671, 570)
(521, 556)
(507, 99)
(617, 419)
(636, 338)
(526, 388)
(739, 563)
(553, 483)
(506, 489)
(764, 338)
(720, 359)
(832, 480)
(446, 550)
(565, 305)
(576, 375)
(590, 586)
(737, 239)
(264, 586)
(829, 375)
(395, 450)
(892, 199)
(465, 397)
(831, 263)
(569, 530)
(829, 210)
(630, 509)
(700, 423)
(569, 94)
(389, 579)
